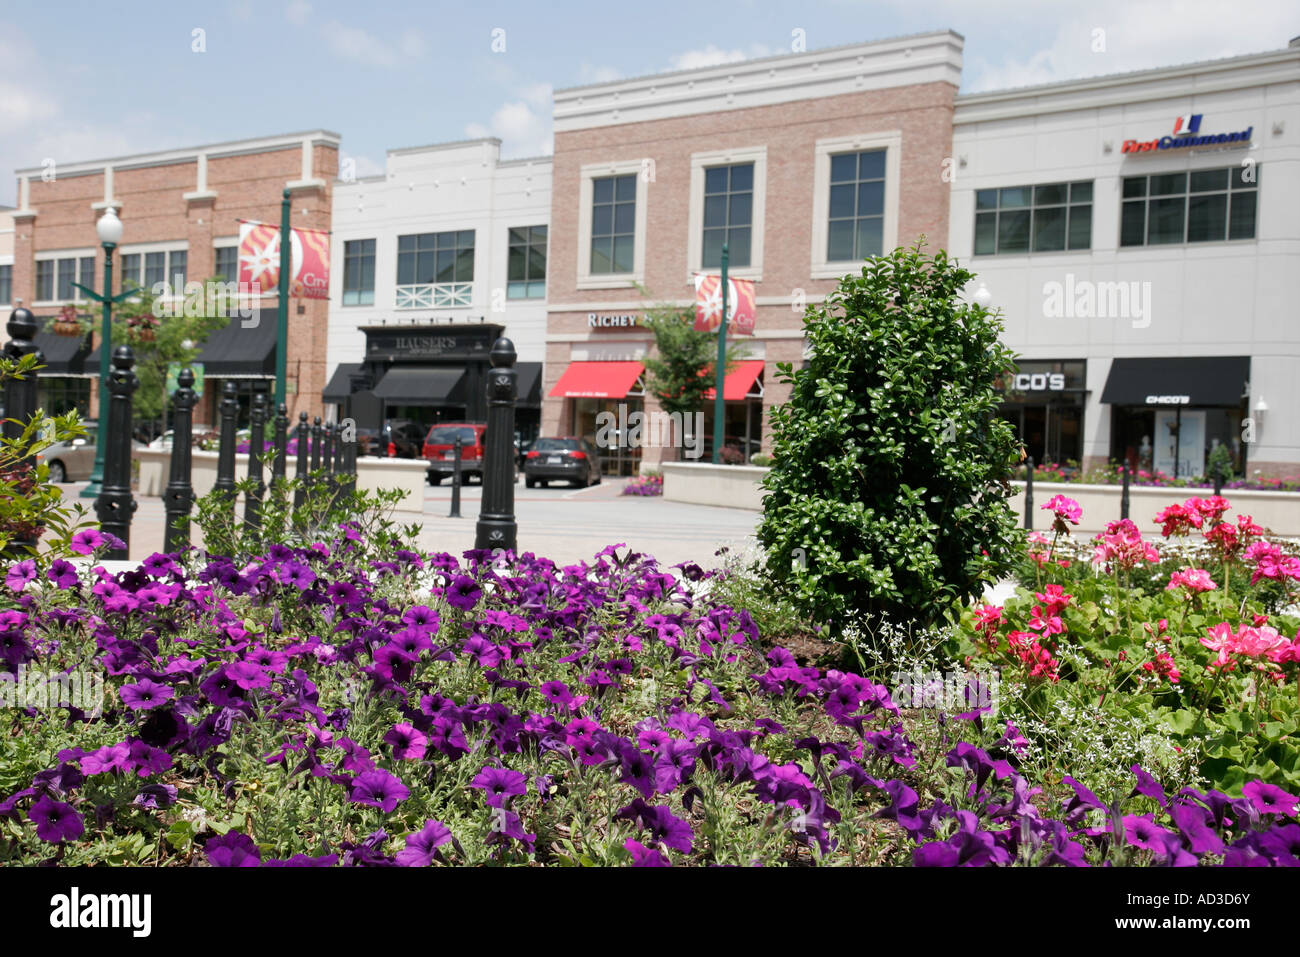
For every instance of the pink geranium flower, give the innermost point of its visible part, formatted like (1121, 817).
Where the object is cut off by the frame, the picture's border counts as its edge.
(1193, 579)
(1066, 509)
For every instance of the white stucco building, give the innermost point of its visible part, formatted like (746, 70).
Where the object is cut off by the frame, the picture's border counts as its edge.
(1141, 234)
(450, 236)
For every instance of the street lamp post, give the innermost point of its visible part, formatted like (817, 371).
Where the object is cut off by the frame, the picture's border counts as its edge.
(109, 228)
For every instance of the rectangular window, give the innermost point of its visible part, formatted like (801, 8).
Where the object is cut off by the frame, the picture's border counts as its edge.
(1203, 206)
(44, 280)
(67, 275)
(857, 206)
(6, 284)
(130, 269)
(86, 274)
(227, 263)
(526, 264)
(155, 269)
(1020, 219)
(177, 269)
(613, 224)
(435, 258)
(359, 272)
(728, 214)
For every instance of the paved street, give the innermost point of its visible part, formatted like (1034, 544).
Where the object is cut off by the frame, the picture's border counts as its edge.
(564, 524)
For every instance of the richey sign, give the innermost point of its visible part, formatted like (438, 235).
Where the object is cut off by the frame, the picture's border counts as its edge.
(596, 320)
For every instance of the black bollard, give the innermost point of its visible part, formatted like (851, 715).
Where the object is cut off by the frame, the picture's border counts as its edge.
(317, 440)
(227, 412)
(20, 403)
(280, 441)
(496, 520)
(1125, 472)
(340, 439)
(1029, 493)
(304, 444)
(178, 499)
(256, 450)
(455, 478)
(20, 394)
(115, 504)
(350, 465)
(1218, 480)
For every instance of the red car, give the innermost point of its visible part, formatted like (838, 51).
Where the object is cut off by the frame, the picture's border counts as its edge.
(439, 449)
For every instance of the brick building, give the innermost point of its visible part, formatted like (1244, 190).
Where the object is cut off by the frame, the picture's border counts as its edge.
(805, 164)
(180, 211)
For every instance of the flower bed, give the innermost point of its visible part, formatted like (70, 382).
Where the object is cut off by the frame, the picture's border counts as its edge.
(650, 483)
(1051, 472)
(351, 702)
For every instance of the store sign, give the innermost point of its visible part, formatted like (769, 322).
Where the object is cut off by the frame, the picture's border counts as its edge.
(397, 342)
(1187, 132)
(1038, 382)
(596, 320)
(1169, 400)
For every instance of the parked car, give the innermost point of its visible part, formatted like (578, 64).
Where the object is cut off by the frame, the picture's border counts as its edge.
(439, 450)
(561, 458)
(164, 442)
(70, 461)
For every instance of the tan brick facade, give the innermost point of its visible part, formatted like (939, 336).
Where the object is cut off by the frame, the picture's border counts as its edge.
(152, 203)
(920, 114)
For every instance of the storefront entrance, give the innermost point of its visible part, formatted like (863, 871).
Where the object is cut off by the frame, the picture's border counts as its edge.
(1044, 401)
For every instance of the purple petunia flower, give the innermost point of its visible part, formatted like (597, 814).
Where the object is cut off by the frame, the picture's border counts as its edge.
(56, 821)
(463, 593)
(379, 789)
(408, 744)
(1269, 798)
(232, 849)
(21, 574)
(422, 846)
(145, 694)
(62, 574)
(643, 856)
(499, 785)
(155, 796)
(86, 541)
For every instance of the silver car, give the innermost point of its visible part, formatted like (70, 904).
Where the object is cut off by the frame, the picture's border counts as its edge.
(70, 461)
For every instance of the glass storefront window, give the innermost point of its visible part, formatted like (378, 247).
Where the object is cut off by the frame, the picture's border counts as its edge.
(616, 458)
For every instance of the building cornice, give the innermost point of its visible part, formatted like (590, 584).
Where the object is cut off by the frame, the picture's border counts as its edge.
(855, 68)
(1163, 83)
(191, 154)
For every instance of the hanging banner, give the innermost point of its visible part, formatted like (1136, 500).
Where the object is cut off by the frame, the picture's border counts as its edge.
(259, 260)
(708, 304)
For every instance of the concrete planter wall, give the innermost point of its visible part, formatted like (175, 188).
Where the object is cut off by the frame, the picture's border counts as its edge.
(734, 486)
(372, 474)
(737, 486)
(1278, 511)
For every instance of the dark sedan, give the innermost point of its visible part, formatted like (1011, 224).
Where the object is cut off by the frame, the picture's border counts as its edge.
(561, 459)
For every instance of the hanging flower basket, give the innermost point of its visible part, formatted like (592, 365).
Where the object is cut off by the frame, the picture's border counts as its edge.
(143, 328)
(67, 323)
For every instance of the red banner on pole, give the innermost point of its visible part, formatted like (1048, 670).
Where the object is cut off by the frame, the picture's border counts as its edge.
(259, 260)
(708, 304)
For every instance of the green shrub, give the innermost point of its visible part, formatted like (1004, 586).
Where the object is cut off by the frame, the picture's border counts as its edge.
(888, 493)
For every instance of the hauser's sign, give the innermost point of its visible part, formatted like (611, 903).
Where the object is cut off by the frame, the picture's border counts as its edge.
(1187, 132)
(596, 320)
(427, 342)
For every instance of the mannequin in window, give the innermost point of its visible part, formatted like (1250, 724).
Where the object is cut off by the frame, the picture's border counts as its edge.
(1144, 454)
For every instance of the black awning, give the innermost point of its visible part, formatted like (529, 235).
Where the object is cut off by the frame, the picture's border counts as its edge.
(529, 383)
(421, 385)
(340, 384)
(1182, 380)
(239, 351)
(64, 355)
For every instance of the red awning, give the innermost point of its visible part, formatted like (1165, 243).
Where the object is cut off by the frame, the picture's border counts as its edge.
(739, 380)
(597, 380)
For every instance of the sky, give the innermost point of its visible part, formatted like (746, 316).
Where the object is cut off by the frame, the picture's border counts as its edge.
(82, 81)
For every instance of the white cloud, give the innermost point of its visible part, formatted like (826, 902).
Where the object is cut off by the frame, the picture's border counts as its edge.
(22, 106)
(523, 126)
(361, 46)
(589, 74)
(1133, 36)
(715, 56)
(298, 12)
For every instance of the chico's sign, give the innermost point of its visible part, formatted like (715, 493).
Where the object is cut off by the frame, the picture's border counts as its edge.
(1038, 381)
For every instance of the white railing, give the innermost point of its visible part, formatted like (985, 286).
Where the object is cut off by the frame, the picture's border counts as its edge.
(433, 295)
